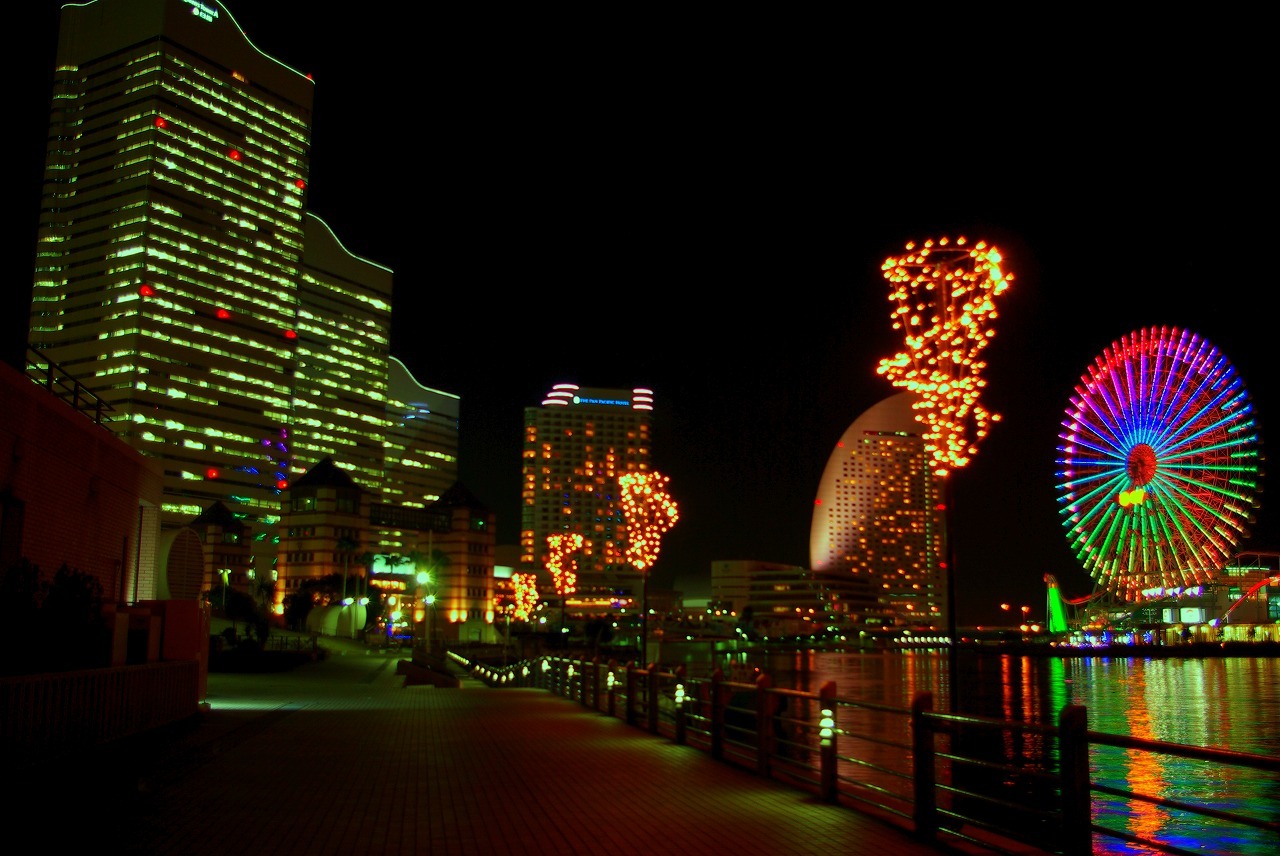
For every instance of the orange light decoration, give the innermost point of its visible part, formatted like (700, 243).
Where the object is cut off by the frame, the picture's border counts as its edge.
(525, 587)
(945, 293)
(564, 571)
(649, 512)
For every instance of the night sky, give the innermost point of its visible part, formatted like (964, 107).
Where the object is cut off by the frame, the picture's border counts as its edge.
(707, 218)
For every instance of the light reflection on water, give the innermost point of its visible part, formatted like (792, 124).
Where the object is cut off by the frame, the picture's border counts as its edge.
(1230, 703)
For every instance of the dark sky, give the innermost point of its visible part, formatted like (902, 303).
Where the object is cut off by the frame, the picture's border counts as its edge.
(706, 214)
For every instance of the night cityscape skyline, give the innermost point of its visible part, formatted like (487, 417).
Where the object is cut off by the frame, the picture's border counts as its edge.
(741, 282)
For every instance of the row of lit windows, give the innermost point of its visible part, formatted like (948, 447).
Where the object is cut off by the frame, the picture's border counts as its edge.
(275, 265)
(375, 302)
(269, 117)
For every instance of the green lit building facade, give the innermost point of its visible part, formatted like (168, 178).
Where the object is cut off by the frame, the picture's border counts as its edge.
(180, 278)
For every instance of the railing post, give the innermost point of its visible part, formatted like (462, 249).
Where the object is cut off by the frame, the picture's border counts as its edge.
(827, 735)
(582, 682)
(680, 702)
(611, 696)
(1073, 753)
(595, 683)
(765, 706)
(651, 698)
(717, 714)
(632, 681)
(926, 812)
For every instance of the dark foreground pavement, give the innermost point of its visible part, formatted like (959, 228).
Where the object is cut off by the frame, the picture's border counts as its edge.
(339, 756)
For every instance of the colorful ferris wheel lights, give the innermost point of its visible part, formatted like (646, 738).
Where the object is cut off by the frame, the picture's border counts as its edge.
(1158, 464)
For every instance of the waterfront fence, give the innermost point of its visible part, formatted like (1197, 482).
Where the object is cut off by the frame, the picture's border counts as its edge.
(976, 783)
(46, 715)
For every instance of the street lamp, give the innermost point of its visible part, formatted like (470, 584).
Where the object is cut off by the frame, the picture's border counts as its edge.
(420, 608)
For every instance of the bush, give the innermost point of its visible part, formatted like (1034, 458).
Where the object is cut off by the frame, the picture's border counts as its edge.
(57, 624)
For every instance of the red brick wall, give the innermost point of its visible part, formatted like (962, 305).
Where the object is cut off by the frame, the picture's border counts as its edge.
(81, 488)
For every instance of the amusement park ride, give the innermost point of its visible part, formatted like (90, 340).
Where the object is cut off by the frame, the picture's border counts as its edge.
(1158, 478)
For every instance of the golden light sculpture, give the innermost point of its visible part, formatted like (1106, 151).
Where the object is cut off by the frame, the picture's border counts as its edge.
(945, 293)
(649, 512)
(525, 588)
(564, 571)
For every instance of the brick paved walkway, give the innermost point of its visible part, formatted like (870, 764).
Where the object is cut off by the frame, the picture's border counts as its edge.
(340, 757)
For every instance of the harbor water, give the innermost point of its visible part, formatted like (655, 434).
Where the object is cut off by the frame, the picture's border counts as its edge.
(1230, 703)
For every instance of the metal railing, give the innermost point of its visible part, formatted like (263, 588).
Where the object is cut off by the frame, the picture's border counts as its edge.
(47, 715)
(53, 378)
(993, 785)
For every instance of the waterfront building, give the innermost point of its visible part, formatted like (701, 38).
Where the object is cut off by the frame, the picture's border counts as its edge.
(576, 445)
(770, 598)
(180, 279)
(342, 350)
(420, 460)
(879, 515)
(451, 542)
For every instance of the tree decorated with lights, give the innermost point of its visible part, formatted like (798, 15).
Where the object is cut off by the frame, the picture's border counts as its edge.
(564, 570)
(525, 589)
(944, 294)
(649, 512)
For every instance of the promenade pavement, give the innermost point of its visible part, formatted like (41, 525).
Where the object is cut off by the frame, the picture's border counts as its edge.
(340, 756)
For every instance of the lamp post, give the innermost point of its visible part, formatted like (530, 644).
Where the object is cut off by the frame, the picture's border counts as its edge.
(420, 609)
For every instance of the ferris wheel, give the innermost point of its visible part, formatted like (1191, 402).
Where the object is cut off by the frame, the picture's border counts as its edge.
(1158, 465)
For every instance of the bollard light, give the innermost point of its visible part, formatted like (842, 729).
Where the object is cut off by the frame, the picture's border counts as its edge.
(827, 725)
(524, 672)
(679, 699)
(569, 671)
(610, 681)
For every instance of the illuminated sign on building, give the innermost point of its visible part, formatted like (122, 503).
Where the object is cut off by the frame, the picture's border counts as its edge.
(203, 11)
(577, 399)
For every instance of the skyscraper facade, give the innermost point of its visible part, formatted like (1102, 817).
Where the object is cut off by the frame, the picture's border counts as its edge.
(576, 445)
(180, 278)
(170, 242)
(880, 515)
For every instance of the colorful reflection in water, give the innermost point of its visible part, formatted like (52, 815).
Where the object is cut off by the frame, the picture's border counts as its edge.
(1230, 703)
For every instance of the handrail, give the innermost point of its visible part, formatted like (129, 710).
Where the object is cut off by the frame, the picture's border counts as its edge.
(922, 770)
(67, 388)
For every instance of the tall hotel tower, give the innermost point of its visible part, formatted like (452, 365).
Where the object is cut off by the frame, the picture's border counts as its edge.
(879, 515)
(576, 445)
(180, 279)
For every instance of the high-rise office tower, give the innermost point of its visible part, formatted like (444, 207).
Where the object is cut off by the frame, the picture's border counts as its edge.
(576, 445)
(879, 515)
(180, 278)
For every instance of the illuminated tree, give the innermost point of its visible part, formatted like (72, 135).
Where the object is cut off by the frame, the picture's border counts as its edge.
(945, 294)
(564, 570)
(526, 594)
(649, 512)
